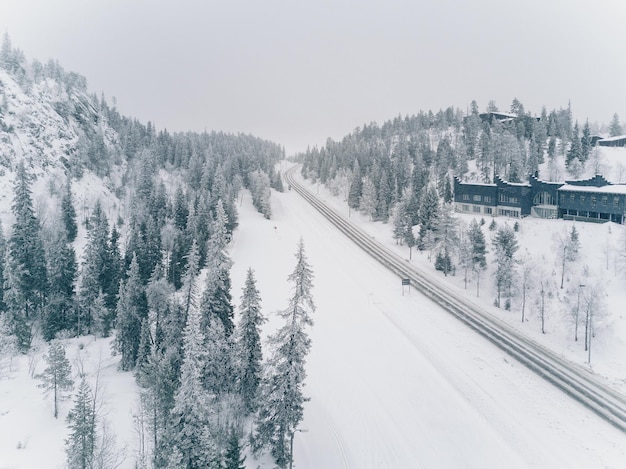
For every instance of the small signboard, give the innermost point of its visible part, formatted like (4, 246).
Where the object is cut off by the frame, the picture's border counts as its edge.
(407, 282)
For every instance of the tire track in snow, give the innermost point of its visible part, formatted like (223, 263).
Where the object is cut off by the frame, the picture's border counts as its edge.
(338, 441)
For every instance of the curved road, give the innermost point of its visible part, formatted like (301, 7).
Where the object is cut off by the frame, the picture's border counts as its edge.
(566, 376)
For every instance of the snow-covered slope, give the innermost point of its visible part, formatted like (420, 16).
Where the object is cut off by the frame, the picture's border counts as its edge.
(43, 124)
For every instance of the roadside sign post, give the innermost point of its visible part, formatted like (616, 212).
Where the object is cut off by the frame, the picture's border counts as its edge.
(407, 282)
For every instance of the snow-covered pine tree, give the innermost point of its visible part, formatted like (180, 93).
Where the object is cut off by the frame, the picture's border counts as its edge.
(356, 186)
(62, 273)
(428, 214)
(219, 369)
(478, 251)
(14, 300)
(57, 376)
(3, 250)
(190, 419)
(369, 199)
(93, 279)
(8, 344)
(69, 213)
(233, 458)
(189, 298)
(282, 400)
(506, 246)
(159, 293)
(216, 298)
(446, 238)
(249, 344)
(131, 311)
(80, 445)
(26, 248)
(615, 128)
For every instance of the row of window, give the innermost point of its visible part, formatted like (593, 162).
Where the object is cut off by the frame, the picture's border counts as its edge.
(508, 199)
(476, 209)
(543, 198)
(503, 212)
(478, 198)
(594, 199)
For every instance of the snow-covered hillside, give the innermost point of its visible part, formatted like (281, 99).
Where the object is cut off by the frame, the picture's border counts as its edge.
(44, 124)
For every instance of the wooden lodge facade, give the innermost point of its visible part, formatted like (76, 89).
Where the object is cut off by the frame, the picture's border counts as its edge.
(618, 141)
(593, 199)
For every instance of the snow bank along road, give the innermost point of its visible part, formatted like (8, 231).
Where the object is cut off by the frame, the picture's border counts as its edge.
(570, 378)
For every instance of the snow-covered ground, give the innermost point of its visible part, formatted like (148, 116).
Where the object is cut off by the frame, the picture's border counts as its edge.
(30, 436)
(394, 381)
(602, 254)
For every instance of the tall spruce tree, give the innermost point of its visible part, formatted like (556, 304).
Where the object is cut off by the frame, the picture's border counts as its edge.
(249, 344)
(585, 142)
(216, 298)
(356, 186)
(506, 246)
(94, 272)
(233, 458)
(219, 370)
(14, 300)
(131, 311)
(189, 430)
(428, 215)
(3, 251)
(282, 400)
(81, 443)
(446, 238)
(62, 273)
(69, 213)
(478, 251)
(57, 376)
(26, 248)
(575, 151)
(615, 127)
(189, 297)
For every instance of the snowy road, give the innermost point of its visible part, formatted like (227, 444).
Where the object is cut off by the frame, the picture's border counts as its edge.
(397, 383)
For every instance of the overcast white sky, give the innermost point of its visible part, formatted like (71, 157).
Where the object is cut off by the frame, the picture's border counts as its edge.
(297, 72)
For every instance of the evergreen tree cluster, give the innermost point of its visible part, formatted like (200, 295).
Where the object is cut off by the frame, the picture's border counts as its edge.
(428, 149)
(139, 275)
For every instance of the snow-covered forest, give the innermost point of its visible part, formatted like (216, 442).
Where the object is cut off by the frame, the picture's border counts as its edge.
(117, 301)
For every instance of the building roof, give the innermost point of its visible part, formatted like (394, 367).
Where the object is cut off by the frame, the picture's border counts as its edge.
(608, 189)
(613, 139)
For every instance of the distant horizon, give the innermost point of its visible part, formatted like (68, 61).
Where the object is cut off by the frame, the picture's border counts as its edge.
(300, 74)
(113, 101)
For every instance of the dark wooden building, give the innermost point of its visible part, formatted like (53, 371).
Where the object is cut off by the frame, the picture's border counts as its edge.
(618, 141)
(499, 199)
(593, 199)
